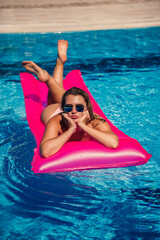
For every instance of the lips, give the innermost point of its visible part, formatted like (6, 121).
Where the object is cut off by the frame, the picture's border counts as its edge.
(74, 117)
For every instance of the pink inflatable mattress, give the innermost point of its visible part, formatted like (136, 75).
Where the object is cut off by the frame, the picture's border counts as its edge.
(76, 155)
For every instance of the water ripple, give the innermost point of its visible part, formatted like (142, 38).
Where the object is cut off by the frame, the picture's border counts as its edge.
(95, 204)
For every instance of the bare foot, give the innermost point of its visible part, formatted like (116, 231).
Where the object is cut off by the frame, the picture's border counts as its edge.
(42, 75)
(62, 50)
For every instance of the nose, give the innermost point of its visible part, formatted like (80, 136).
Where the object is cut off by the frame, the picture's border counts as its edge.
(74, 110)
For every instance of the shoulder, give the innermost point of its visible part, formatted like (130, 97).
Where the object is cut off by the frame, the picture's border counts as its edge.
(55, 118)
(54, 121)
(57, 123)
(101, 124)
(97, 122)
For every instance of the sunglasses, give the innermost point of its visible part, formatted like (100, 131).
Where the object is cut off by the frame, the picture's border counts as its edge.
(69, 107)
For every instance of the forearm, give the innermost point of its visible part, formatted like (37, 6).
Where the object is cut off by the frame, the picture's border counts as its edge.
(53, 145)
(108, 139)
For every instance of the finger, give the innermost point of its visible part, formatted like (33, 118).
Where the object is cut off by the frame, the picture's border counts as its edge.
(64, 114)
(87, 113)
(66, 117)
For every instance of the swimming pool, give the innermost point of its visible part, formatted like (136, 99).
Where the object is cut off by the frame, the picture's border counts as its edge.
(121, 69)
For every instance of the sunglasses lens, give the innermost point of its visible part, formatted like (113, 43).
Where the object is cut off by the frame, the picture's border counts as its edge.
(80, 108)
(67, 109)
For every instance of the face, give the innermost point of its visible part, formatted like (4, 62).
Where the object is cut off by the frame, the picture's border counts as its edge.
(76, 103)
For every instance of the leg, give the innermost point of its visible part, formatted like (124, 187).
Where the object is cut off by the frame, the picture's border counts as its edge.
(58, 71)
(55, 83)
(56, 90)
(61, 59)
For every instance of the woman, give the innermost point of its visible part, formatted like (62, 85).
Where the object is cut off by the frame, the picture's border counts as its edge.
(76, 122)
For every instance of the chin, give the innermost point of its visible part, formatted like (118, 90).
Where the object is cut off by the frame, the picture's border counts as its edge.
(75, 120)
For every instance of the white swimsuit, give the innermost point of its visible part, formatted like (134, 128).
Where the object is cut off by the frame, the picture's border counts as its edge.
(58, 110)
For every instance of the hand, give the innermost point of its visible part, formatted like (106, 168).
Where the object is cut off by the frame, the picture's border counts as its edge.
(69, 121)
(84, 119)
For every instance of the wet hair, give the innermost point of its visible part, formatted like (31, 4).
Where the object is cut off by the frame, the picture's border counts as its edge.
(77, 91)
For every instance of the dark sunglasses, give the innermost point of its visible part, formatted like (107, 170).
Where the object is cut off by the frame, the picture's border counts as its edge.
(69, 107)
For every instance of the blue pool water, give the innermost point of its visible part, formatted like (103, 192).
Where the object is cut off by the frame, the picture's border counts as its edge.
(121, 69)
